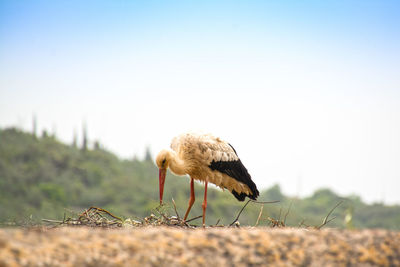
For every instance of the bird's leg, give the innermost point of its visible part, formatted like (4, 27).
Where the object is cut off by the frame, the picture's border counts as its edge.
(191, 199)
(205, 204)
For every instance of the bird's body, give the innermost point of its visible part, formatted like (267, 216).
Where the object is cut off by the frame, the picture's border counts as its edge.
(209, 159)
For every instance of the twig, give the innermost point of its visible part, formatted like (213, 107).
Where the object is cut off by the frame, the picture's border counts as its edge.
(103, 210)
(240, 212)
(176, 212)
(250, 200)
(165, 217)
(303, 224)
(325, 221)
(275, 223)
(284, 220)
(259, 215)
(195, 218)
(52, 221)
(93, 216)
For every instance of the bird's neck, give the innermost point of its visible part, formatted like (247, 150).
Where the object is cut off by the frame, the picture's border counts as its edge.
(176, 165)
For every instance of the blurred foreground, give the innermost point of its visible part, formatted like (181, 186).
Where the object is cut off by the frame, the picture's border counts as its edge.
(162, 246)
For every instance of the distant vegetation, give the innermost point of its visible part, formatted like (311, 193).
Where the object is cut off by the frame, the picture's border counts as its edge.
(40, 177)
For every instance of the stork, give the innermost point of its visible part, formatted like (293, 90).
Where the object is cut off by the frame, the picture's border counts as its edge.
(205, 158)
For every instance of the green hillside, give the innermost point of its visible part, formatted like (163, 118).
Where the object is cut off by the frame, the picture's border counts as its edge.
(40, 177)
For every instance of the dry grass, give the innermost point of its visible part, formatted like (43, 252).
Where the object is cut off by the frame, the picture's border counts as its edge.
(99, 217)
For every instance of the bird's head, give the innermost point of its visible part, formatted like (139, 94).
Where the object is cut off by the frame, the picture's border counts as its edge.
(162, 160)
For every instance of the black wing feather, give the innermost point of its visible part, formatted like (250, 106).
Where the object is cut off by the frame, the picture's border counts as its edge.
(237, 171)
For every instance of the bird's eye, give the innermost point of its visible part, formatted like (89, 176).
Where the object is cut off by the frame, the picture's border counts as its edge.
(163, 161)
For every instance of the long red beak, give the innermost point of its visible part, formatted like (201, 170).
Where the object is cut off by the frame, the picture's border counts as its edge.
(162, 173)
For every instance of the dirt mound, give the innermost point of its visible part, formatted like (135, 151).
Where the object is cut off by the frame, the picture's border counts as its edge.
(168, 246)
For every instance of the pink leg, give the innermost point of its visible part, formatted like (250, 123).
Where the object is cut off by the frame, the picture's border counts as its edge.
(205, 205)
(191, 199)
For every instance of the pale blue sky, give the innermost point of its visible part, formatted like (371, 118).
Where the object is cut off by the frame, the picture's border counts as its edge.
(308, 92)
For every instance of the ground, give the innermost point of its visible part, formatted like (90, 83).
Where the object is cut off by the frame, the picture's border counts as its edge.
(171, 246)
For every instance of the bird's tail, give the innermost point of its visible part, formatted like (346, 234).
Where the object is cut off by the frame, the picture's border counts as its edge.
(253, 195)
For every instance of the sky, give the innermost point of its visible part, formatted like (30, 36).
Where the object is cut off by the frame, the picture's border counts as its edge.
(308, 92)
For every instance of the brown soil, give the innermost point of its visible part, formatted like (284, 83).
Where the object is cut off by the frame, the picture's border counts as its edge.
(161, 246)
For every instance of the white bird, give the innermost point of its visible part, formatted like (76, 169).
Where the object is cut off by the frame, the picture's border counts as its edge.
(208, 159)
